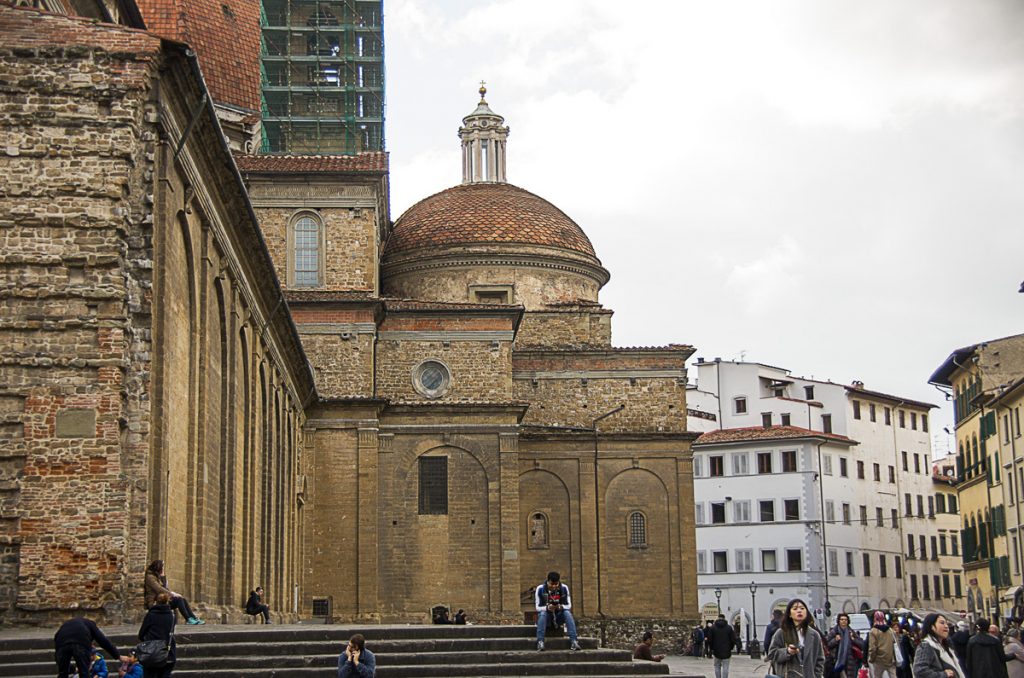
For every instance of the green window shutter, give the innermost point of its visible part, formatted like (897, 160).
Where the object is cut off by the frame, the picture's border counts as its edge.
(1004, 569)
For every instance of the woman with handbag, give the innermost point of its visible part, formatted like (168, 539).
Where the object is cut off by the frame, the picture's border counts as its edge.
(845, 646)
(156, 647)
(935, 658)
(796, 649)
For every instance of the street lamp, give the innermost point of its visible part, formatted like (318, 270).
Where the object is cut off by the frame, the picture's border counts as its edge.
(718, 598)
(754, 646)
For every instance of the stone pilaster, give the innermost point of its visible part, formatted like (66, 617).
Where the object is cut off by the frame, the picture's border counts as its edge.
(366, 503)
(508, 453)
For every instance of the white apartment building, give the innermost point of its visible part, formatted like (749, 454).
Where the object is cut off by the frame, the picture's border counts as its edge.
(864, 473)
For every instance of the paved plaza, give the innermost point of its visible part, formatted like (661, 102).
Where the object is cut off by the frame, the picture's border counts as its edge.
(740, 666)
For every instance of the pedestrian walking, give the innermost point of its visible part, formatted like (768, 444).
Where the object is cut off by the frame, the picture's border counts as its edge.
(796, 649)
(845, 647)
(882, 648)
(723, 639)
(985, 658)
(935, 657)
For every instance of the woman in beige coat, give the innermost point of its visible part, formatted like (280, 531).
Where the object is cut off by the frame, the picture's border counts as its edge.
(156, 583)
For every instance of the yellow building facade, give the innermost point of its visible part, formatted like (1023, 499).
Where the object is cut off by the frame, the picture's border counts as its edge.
(973, 375)
(1005, 409)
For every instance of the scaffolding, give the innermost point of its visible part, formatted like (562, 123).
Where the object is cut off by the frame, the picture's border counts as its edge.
(322, 70)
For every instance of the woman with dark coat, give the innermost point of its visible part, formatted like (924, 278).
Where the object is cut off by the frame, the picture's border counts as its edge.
(796, 649)
(159, 625)
(841, 642)
(935, 657)
(907, 650)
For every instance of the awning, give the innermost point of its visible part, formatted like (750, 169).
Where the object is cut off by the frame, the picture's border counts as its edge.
(1009, 595)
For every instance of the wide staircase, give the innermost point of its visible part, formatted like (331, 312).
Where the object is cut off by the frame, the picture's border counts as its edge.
(401, 651)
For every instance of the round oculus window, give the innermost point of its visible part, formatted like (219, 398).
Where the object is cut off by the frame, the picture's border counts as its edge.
(431, 379)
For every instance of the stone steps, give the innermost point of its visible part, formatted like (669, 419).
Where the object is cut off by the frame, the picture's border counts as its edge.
(419, 651)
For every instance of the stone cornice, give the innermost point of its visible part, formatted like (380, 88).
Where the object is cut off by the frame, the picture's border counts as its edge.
(435, 261)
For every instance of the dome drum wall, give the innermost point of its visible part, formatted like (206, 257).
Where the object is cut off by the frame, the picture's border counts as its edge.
(490, 234)
(538, 275)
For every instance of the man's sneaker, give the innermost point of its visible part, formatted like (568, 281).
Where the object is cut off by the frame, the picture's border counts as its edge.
(575, 647)
(540, 646)
(194, 620)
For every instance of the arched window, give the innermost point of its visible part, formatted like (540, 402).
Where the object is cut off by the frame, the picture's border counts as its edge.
(637, 529)
(306, 251)
(538, 531)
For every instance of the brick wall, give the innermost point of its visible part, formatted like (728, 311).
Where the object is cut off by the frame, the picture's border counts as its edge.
(479, 371)
(450, 559)
(624, 633)
(350, 248)
(343, 367)
(565, 328)
(75, 237)
(651, 404)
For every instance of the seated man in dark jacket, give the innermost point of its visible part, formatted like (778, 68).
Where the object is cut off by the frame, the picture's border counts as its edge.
(356, 661)
(73, 641)
(255, 605)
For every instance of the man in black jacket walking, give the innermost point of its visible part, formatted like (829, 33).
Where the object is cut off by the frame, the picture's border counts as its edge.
(73, 641)
(985, 655)
(723, 639)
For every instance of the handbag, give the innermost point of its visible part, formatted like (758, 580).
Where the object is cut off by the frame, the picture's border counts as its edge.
(856, 651)
(153, 654)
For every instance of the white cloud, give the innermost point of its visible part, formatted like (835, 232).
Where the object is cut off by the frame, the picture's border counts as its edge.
(852, 167)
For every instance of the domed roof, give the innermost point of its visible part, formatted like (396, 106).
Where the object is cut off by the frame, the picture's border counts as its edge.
(486, 213)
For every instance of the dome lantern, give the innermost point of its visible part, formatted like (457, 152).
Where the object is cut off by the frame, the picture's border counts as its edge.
(483, 134)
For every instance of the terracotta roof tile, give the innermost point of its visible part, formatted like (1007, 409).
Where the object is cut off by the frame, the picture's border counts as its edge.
(25, 27)
(226, 38)
(375, 162)
(486, 213)
(732, 435)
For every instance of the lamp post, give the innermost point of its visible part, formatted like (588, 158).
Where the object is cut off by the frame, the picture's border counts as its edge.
(754, 646)
(718, 599)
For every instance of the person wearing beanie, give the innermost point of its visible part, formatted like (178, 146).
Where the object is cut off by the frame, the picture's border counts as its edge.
(882, 648)
(553, 605)
(985, 656)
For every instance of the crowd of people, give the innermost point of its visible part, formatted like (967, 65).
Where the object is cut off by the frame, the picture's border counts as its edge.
(895, 647)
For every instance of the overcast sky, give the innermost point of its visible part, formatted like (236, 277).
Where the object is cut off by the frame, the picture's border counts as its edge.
(831, 187)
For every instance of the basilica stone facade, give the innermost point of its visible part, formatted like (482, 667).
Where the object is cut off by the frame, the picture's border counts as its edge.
(239, 364)
(464, 364)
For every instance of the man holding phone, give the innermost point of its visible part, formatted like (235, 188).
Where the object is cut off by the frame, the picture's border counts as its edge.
(553, 605)
(356, 661)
